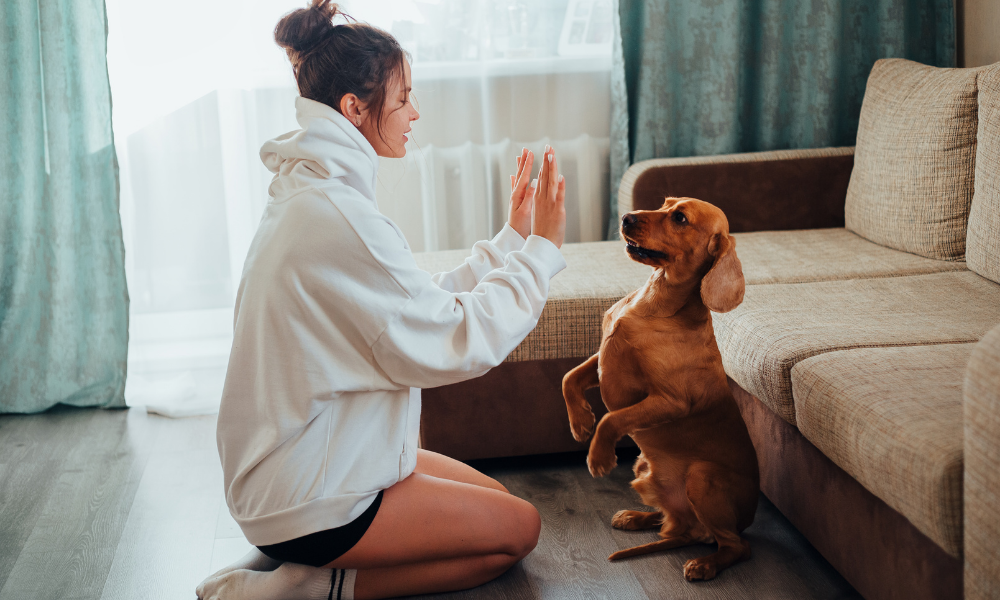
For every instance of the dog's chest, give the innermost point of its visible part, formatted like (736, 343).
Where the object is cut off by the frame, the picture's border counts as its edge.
(637, 347)
(618, 343)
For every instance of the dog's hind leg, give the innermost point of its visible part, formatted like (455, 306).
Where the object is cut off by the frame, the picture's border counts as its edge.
(635, 520)
(574, 383)
(712, 504)
(677, 530)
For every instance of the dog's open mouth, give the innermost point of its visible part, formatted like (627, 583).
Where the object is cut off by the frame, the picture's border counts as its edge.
(638, 251)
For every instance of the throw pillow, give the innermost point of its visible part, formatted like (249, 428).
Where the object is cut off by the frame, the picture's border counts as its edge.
(913, 165)
(983, 243)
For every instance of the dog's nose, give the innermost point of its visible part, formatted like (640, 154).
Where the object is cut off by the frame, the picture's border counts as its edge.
(629, 219)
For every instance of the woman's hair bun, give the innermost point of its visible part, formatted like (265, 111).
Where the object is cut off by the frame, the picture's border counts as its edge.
(301, 30)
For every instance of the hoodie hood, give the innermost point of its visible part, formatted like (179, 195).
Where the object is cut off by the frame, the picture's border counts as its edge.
(328, 150)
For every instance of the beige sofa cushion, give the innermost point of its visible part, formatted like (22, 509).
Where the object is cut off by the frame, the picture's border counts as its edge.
(809, 255)
(780, 325)
(913, 165)
(983, 252)
(982, 454)
(598, 274)
(892, 418)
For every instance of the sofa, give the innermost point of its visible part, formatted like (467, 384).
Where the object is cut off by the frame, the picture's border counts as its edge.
(865, 357)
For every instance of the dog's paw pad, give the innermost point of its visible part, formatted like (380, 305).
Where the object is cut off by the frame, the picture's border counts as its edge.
(699, 570)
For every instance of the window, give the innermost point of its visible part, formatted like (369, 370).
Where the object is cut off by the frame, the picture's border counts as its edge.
(197, 94)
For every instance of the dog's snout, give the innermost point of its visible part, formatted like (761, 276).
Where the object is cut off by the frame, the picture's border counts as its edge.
(629, 219)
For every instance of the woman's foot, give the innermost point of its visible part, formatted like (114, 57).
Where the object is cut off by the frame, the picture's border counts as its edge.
(255, 560)
(288, 582)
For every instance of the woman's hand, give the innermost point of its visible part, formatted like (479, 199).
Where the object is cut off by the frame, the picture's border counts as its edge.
(521, 196)
(548, 219)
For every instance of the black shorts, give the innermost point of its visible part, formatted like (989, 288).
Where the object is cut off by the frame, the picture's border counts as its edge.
(323, 547)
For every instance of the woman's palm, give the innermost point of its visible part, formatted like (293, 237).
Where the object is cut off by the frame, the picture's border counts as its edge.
(521, 195)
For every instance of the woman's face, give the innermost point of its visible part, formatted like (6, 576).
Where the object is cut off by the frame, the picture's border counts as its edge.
(397, 115)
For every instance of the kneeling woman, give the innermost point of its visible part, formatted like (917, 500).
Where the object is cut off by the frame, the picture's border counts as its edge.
(337, 330)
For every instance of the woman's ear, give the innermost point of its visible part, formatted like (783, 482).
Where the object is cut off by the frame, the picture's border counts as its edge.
(723, 286)
(352, 108)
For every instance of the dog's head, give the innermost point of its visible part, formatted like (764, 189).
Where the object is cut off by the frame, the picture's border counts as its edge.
(689, 239)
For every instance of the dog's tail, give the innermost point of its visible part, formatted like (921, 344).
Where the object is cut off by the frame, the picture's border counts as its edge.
(650, 548)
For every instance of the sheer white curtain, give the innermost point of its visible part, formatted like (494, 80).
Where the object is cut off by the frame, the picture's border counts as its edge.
(198, 86)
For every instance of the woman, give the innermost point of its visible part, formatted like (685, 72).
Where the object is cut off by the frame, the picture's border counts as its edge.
(337, 329)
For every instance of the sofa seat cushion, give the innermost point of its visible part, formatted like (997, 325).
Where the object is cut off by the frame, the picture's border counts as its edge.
(983, 241)
(892, 419)
(809, 255)
(780, 325)
(598, 274)
(981, 496)
(912, 182)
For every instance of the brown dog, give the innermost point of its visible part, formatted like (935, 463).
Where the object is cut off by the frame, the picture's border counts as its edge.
(662, 380)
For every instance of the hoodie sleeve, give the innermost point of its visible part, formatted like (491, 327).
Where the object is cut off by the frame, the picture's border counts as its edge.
(419, 334)
(441, 337)
(486, 256)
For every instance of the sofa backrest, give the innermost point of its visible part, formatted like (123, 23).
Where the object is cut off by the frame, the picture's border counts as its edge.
(912, 183)
(983, 240)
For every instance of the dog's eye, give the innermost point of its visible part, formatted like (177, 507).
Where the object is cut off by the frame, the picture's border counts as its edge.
(680, 218)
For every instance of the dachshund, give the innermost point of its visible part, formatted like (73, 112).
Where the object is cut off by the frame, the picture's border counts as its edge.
(662, 380)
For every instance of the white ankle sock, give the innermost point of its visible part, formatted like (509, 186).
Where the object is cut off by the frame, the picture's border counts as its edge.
(287, 582)
(343, 584)
(255, 560)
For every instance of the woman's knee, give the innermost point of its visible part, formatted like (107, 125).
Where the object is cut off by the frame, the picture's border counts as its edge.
(529, 527)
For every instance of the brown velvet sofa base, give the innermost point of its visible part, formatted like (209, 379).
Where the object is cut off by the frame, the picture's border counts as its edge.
(514, 410)
(874, 547)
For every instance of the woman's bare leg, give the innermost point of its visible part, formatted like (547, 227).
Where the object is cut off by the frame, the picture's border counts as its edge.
(445, 467)
(452, 530)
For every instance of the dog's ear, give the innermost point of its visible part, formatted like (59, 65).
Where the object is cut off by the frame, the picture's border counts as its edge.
(723, 286)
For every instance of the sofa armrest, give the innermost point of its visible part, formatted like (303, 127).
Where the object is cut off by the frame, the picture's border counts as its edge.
(982, 469)
(758, 191)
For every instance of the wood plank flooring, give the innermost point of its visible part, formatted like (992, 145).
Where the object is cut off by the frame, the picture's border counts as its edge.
(121, 505)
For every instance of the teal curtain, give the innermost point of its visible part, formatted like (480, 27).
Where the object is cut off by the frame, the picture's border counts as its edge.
(703, 77)
(63, 300)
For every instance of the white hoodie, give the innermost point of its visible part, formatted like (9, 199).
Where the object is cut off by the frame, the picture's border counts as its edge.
(336, 329)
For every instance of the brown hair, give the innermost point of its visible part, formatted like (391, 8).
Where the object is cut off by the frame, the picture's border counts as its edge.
(330, 60)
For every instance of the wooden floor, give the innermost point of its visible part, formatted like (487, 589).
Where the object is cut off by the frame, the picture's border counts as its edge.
(123, 505)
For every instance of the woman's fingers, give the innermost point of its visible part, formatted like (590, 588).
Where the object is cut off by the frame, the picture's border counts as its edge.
(543, 171)
(553, 181)
(549, 215)
(521, 195)
(521, 161)
(517, 173)
(523, 174)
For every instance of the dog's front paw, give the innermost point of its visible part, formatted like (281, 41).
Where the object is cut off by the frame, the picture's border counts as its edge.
(601, 459)
(581, 423)
(699, 569)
